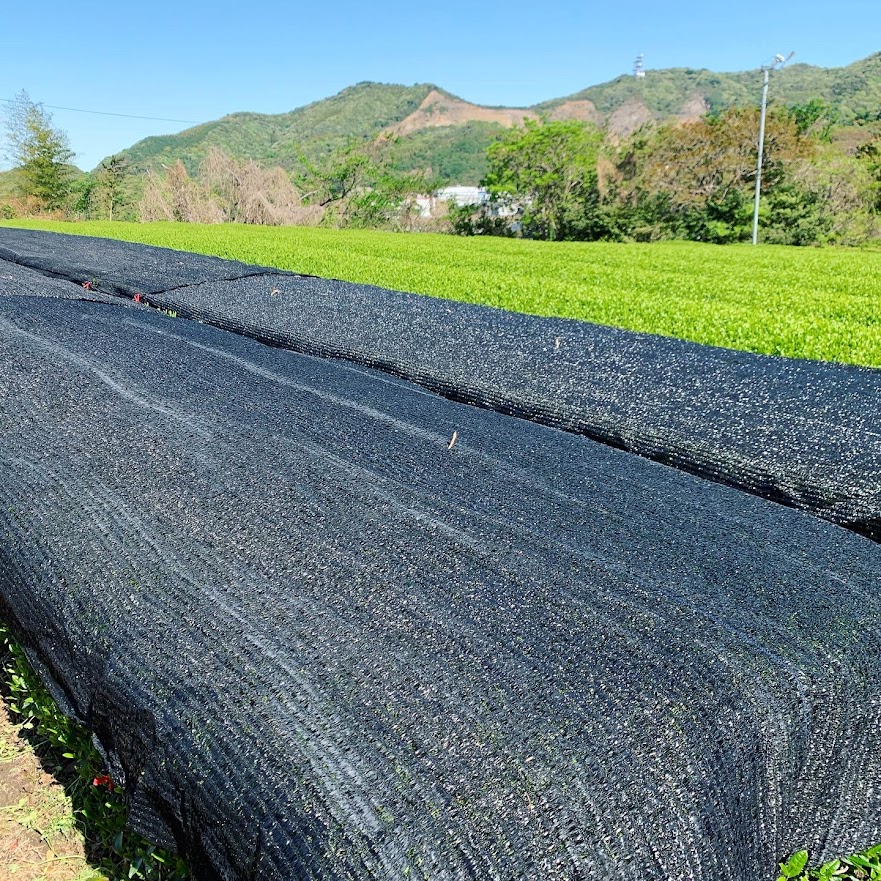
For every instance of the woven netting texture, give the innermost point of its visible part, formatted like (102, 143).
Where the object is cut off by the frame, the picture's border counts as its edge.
(18, 281)
(113, 266)
(802, 433)
(315, 640)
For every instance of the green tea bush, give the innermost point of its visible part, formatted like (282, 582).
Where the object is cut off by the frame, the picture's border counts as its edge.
(822, 303)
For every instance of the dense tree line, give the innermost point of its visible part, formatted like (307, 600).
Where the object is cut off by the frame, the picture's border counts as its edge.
(693, 180)
(555, 180)
(353, 187)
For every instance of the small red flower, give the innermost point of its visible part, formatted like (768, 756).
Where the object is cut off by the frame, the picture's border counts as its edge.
(137, 298)
(104, 780)
(87, 285)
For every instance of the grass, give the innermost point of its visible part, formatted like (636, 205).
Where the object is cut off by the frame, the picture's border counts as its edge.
(797, 302)
(39, 837)
(864, 866)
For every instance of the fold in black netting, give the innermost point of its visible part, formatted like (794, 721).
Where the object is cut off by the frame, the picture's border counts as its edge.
(19, 281)
(803, 433)
(315, 641)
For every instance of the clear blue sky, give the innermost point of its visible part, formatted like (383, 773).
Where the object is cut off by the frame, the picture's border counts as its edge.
(199, 61)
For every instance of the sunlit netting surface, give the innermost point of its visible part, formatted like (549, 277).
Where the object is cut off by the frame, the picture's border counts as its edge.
(318, 640)
(802, 433)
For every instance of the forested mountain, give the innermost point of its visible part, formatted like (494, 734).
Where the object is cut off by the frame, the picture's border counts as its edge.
(853, 92)
(425, 127)
(361, 112)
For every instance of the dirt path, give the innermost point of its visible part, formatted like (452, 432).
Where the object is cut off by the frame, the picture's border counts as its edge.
(39, 839)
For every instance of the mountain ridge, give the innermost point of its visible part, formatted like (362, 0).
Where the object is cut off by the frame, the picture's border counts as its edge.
(431, 128)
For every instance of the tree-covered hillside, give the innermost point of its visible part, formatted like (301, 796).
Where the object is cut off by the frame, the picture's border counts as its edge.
(456, 152)
(359, 112)
(853, 92)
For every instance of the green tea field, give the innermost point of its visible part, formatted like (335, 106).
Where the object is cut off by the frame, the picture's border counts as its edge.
(797, 302)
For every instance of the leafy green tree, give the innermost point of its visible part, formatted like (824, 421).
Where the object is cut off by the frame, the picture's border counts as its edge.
(548, 170)
(697, 179)
(338, 177)
(476, 220)
(814, 118)
(112, 178)
(41, 153)
(83, 194)
(870, 156)
(795, 215)
(358, 187)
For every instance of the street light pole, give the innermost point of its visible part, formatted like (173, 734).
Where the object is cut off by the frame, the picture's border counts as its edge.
(776, 64)
(767, 71)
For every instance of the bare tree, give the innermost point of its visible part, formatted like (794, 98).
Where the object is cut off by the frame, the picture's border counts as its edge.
(249, 193)
(177, 197)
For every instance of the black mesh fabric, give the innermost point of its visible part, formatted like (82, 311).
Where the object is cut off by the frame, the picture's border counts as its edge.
(803, 433)
(18, 281)
(316, 640)
(113, 266)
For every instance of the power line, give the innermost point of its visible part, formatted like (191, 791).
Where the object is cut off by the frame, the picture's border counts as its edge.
(106, 113)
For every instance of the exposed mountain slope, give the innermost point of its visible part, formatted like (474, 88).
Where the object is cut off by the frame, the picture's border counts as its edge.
(433, 129)
(440, 109)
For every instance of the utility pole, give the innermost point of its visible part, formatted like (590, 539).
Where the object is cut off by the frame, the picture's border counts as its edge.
(776, 64)
(639, 67)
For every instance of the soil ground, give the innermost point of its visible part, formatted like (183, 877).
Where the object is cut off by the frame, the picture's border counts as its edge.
(39, 838)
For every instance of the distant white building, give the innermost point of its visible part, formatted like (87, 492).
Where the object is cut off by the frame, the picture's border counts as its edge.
(458, 195)
(463, 195)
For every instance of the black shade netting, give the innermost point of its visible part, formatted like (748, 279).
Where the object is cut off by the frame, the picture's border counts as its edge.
(315, 641)
(803, 433)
